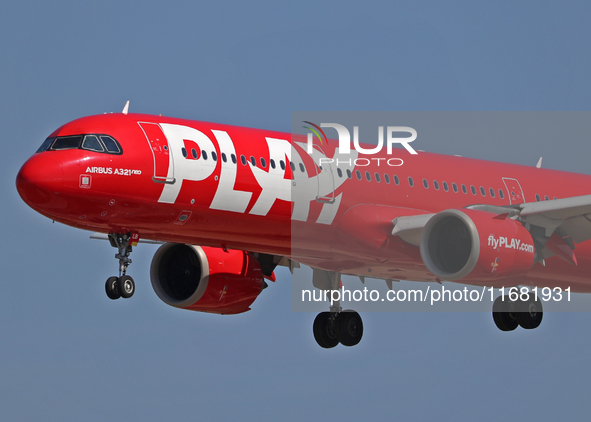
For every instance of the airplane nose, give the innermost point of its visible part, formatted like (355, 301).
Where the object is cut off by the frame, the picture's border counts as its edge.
(39, 180)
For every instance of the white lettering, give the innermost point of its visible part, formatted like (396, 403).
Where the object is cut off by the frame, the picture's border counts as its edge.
(273, 182)
(226, 198)
(403, 141)
(180, 169)
(369, 150)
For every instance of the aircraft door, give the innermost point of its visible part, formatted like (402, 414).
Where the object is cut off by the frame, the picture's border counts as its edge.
(514, 191)
(325, 177)
(161, 152)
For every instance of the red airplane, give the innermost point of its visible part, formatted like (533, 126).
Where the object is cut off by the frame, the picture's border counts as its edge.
(254, 199)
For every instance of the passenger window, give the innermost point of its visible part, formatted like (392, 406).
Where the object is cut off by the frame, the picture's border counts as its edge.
(492, 192)
(411, 182)
(537, 197)
(302, 168)
(92, 143)
(396, 180)
(436, 184)
(368, 176)
(233, 158)
(203, 154)
(482, 191)
(214, 156)
(253, 161)
(272, 162)
(349, 175)
(464, 188)
(194, 153)
(425, 184)
(501, 194)
(546, 198)
(455, 187)
(292, 166)
(339, 172)
(243, 160)
(445, 187)
(377, 177)
(387, 179)
(263, 163)
(282, 164)
(184, 152)
(358, 173)
(473, 189)
(224, 159)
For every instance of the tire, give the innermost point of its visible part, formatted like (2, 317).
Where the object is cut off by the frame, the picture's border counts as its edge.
(532, 317)
(126, 287)
(349, 328)
(324, 331)
(504, 320)
(112, 288)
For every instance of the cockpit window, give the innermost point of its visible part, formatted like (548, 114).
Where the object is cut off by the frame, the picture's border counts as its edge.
(111, 144)
(97, 143)
(46, 144)
(66, 142)
(92, 143)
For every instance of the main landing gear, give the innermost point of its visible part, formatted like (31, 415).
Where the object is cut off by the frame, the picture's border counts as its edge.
(337, 326)
(332, 328)
(526, 312)
(122, 286)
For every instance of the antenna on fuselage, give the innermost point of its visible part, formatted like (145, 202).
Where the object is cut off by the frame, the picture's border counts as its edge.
(539, 165)
(126, 108)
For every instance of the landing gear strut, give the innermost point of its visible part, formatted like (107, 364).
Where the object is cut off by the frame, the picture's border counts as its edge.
(122, 286)
(525, 312)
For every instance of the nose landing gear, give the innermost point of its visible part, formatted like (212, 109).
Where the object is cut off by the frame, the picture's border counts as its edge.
(122, 286)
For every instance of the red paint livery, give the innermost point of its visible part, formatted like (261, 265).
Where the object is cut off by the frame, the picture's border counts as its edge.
(233, 189)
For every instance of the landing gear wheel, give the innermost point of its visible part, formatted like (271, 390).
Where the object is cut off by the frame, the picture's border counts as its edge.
(122, 286)
(112, 288)
(324, 330)
(532, 316)
(126, 287)
(349, 328)
(504, 320)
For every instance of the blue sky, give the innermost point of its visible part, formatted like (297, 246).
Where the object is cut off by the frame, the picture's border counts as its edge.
(68, 352)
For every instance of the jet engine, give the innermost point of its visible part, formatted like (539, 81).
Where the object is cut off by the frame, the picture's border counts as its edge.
(476, 246)
(206, 279)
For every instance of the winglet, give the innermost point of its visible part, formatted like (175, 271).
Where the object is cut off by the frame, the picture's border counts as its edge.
(126, 108)
(539, 165)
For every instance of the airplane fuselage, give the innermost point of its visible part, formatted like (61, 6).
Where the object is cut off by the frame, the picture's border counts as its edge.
(230, 187)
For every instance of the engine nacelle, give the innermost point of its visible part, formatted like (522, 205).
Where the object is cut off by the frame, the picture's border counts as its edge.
(206, 279)
(476, 246)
